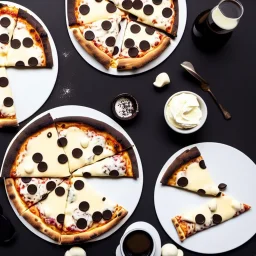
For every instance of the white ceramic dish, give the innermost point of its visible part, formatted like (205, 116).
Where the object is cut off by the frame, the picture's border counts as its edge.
(112, 71)
(127, 188)
(203, 108)
(32, 87)
(226, 164)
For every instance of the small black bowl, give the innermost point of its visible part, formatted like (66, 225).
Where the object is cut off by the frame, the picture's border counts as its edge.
(134, 104)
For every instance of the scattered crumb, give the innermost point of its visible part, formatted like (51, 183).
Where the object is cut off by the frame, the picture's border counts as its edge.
(66, 92)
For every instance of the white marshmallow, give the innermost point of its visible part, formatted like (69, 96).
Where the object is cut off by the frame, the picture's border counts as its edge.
(169, 250)
(84, 142)
(29, 167)
(161, 80)
(180, 252)
(76, 251)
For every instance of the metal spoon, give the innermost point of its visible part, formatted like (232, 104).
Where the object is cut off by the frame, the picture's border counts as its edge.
(205, 86)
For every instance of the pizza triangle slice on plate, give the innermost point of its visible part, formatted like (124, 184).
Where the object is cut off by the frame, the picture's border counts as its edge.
(47, 216)
(86, 140)
(88, 213)
(121, 165)
(36, 153)
(216, 211)
(99, 39)
(30, 45)
(188, 171)
(8, 19)
(141, 44)
(7, 109)
(26, 192)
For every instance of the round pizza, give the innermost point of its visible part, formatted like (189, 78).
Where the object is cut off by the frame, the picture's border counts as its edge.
(47, 173)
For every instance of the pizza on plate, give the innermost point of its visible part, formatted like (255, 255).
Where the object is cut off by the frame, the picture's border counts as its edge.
(188, 171)
(215, 212)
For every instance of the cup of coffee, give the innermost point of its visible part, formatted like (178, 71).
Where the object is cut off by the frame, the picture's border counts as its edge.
(137, 242)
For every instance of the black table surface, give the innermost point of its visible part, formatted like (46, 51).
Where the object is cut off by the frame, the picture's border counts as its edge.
(231, 72)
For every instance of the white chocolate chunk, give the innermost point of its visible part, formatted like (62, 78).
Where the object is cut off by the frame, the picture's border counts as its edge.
(236, 205)
(76, 251)
(180, 252)
(161, 80)
(212, 205)
(169, 250)
(189, 218)
(84, 142)
(29, 167)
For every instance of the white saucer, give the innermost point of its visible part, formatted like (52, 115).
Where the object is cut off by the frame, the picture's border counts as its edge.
(151, 230)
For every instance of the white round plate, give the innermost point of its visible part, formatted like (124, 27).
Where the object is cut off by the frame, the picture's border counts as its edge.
(113, 71)
(32, 87)
(125, 192)
(226, 164)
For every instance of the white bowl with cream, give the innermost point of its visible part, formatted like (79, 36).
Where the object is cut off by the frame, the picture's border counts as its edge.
(185, 112)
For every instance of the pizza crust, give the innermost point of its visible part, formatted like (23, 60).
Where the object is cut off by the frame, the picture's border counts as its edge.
(71, 13)
(174, 29)
(132, 168)
(91, 49)
(181, 229)
(95, 232)
(8, 122)
(135, 63)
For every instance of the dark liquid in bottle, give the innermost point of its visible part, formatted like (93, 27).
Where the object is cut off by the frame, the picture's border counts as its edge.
(138, 243)
(230, 9)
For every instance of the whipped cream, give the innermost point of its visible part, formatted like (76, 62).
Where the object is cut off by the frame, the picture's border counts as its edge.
(183, 111)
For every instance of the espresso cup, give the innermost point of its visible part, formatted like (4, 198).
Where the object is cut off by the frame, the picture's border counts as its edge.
(137, 242)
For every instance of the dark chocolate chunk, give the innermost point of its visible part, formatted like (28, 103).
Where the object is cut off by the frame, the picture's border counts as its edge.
(77, 153)
(111, 8)
(103, 199)
(79, 185)
(150, 31)
(32, 189)
(4, 81)
(86, 174)
(114, 173)
(97, 216)
(144, 45)
(98, 1)
(167, 12)
(219, 194)
(148, 9)
(37, 158)
(107, 215)
(15, 44)
(201, 192)
(202, 164)
(5, 22)
(132, 17)
(182, 182)
(97, 150)
(45, 196)
(4, 39)
(129, 43)
(8, 102)
(81, 223)
(51, 185)
(62, 159)
(89, 35)
(19, 64)
(133, 52)
(26, 180)
(135, 29)
(222, 186)
(49, 134)
(42, 167)
(33, 62)
(127, 4)
(157, 2)
(137, 4)
(62, 142)
(60, 191)
(106, 25)
(116, 50)
(200, 219)
(216, 218)
(110, 41)
(119, 27)
(60, 218)
(84, 206)
(27, 42)
(84, 9)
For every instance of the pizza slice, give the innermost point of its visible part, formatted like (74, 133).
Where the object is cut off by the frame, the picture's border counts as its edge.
(215, 212)
(26, 192)
(7, 109)
(141, 45)
(30, 45)
(161, 14)
(36, 153)
(88, 213)
(82, 12)
(8, 19)
(121, 165)
(47, 216)
(99, 38)
(86, 140)
(188, 171)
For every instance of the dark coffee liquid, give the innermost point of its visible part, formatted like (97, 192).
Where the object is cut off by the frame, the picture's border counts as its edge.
(138, 243)
(230, 9)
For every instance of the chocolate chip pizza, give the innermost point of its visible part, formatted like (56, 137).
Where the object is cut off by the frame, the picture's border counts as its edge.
(48, 169)
(23, 43)
(97, 31)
